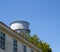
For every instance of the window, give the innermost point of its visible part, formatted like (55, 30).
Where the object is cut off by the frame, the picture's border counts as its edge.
(14, 45)
(24, 48)
(32, 50)
(2, 41)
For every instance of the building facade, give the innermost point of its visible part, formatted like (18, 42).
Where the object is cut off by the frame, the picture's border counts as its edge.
(11, 39)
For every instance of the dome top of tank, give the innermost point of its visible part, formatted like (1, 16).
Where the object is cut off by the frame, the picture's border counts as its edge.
(21, 26)
(19, 22)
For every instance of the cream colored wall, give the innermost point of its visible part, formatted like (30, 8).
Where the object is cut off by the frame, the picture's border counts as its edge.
(20, 47)
(28, 49)
(2, 50)
(9, 45)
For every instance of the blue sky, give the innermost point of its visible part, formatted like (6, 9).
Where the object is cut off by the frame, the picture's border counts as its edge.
(43, 16)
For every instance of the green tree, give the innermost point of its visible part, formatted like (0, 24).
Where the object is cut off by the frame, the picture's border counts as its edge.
(34, 39)
(39, 43)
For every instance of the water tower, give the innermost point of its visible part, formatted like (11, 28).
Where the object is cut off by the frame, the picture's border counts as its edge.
(21, 27)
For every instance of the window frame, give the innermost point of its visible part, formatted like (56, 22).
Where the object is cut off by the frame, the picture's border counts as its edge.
(24, 48)
(15, 46)
(2, 40)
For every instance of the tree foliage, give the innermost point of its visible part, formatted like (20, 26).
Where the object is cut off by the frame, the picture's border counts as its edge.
(39, 43)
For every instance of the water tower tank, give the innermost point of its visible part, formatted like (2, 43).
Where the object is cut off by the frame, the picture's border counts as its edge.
(22, 27)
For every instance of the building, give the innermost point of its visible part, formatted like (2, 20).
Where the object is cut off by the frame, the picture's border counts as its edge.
(11, 39)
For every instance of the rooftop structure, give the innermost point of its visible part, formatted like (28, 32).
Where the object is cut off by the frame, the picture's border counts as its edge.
(22, 27)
